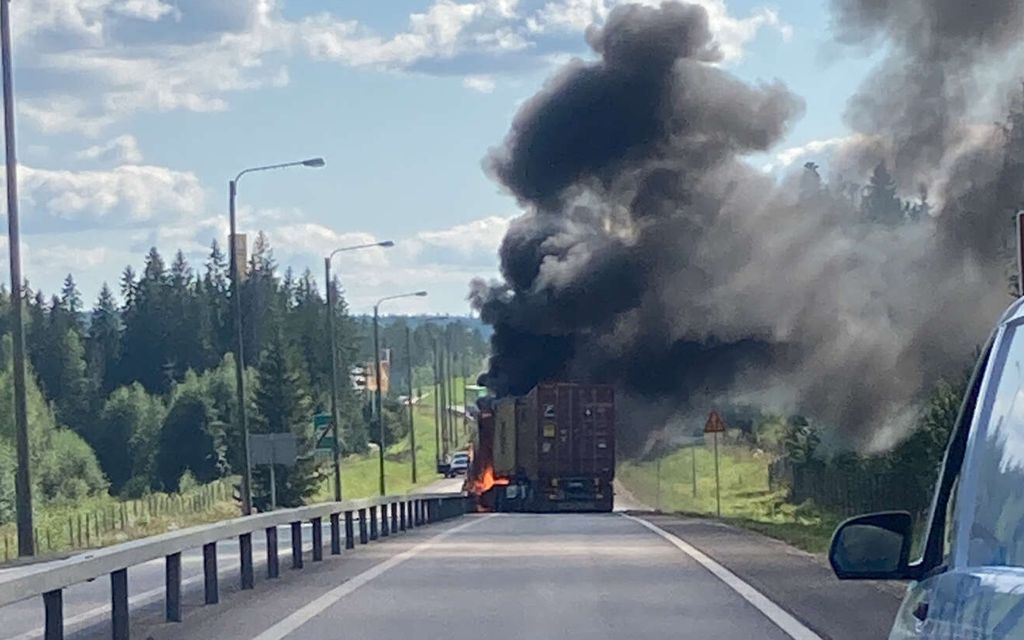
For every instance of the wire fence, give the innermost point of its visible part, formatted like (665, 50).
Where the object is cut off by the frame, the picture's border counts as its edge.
(846, 492)
(70, 528)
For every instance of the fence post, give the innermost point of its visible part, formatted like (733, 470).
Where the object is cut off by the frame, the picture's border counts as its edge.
(53, 604)
(296, 545)
(245, 560)
(210, 590)
(172, 585)
(119, 604)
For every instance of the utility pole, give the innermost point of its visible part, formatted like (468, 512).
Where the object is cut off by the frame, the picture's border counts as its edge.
(412, 426)
(22, 478)
(379, 409)
(336, 449)
(437, 401)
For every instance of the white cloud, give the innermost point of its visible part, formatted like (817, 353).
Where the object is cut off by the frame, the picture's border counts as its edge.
(731, 33)
(480, 237)
(567, 15)
(122, 149)
(827, 146)
(483, 84)
(159, 55)
(151, 10)
(126, 194)
(63, 114)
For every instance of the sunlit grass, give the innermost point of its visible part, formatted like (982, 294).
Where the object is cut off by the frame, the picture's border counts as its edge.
(746, 498)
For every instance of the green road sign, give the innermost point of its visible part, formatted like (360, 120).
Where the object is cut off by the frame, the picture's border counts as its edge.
(322, 430)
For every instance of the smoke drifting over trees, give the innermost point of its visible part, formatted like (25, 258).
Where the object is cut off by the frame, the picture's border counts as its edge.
(652, 256)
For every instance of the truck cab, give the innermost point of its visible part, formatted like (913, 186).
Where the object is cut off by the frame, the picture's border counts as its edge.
(968, 580)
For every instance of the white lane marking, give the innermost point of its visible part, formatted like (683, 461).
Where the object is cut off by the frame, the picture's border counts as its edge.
(316, 607)
(782, 619)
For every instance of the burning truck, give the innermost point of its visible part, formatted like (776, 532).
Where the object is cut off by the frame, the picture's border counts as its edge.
(552, 449)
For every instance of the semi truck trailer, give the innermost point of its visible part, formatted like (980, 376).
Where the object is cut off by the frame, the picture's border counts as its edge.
(552, 449)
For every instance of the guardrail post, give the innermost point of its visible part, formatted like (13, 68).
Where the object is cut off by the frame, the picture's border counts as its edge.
(384, 529)
(318, 539)
(410, 510)
(363, 539)
(53, 604)
(350, 536)
(394, 517)
(245, 560)
(373, 523)
(172, 586)
(119, 604)
(401, 515)
(296, 545)
(273, 566)
(210, 590)
(335, 534)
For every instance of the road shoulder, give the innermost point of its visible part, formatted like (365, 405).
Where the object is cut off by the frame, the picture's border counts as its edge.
(795, 580)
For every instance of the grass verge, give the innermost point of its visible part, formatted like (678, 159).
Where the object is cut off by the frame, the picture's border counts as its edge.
(746, 499)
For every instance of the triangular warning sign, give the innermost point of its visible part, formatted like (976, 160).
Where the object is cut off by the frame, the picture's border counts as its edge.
(715, 424)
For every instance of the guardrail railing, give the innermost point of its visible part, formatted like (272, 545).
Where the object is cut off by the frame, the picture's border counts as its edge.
(375, 517)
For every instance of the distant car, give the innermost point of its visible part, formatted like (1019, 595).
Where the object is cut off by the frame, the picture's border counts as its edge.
(968, 581)
(459, 464)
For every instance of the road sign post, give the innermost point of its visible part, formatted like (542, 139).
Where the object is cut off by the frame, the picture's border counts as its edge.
(693, 466)
(657, 502)
(715, 425)
(273, 449)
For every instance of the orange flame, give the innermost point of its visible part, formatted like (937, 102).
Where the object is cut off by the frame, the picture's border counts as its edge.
(487, 479)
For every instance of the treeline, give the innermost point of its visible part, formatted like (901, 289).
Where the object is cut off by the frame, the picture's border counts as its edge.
(131, 395)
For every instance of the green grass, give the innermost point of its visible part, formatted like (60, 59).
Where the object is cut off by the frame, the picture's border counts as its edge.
(360, 475)
(746, 498)
(103, 520)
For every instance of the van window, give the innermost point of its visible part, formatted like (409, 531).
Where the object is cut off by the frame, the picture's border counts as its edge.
(996, 534)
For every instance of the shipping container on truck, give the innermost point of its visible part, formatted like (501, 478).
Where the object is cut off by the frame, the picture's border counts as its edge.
(566, 446)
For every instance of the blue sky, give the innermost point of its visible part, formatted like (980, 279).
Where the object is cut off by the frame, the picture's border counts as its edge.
(133, 115)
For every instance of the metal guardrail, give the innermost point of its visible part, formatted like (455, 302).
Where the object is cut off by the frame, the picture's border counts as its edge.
(391, 513)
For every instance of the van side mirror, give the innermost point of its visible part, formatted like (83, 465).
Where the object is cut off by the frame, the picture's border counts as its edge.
(873, 547)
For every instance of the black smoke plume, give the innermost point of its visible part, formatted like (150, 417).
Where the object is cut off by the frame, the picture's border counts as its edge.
(651, 255)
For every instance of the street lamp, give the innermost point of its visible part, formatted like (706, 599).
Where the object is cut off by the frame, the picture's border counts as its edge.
(376, 371)
(336, 449)
(236, 296)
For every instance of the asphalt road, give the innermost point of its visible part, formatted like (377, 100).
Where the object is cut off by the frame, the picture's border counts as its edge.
(583, 576)
(508, 576)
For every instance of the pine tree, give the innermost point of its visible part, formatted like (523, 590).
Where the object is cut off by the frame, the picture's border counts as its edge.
(74, 395)
(104, 341)
(880, 203)
(282, 405)
(147, 355)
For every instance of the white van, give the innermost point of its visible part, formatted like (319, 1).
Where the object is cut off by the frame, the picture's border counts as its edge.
(968, 582)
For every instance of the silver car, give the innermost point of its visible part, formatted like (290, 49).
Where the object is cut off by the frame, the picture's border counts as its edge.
(459, 464)
(968, 582)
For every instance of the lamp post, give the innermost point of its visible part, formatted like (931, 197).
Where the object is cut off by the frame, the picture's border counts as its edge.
(22, 479)
(335, 431)
(412, 425)
(236, 289)
(376, 372)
